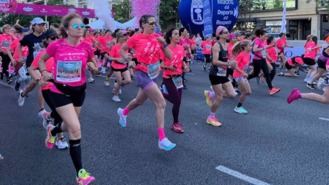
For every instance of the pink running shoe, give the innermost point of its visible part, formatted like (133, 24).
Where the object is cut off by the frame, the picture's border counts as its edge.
(294, 95)
(84, 178)
(212, 120)
(50, 140)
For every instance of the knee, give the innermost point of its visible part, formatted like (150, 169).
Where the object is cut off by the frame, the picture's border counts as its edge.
(160, 104)
(128, 81)
(74, 131)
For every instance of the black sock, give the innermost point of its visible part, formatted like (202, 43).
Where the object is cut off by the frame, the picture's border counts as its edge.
(75, 152)
(239, 104)
(57, 129)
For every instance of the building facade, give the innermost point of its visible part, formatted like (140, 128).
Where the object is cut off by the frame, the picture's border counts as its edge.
(304, 17)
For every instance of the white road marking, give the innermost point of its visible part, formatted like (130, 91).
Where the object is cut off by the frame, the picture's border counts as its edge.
(240, 176)
(324, 119)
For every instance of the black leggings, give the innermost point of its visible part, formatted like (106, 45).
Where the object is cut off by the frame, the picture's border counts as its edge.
(261, 65)
(5, 65)
(273, 72)
(174, 96)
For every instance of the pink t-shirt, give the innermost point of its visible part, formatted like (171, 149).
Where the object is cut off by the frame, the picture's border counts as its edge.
(49, 67)
(206, 47)
(5, 42)
(260, 44)
(70, 62)
(147, 50)
(309, 51)
(230, 50)
(243, 61)
(115, 53)
(280, 43)
(271, 52)
(177, 55)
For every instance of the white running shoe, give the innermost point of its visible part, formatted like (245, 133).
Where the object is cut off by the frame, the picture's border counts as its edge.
(21, 99)
(107, 83)
(120, 91)
(45, 116)
(166, 144)
(91, 80)
(61, 144)
(122, 118)
(116, 99)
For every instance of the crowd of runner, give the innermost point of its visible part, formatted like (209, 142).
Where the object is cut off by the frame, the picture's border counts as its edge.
(59, 61)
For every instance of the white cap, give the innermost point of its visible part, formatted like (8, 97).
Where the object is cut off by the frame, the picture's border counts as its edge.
(37, 20)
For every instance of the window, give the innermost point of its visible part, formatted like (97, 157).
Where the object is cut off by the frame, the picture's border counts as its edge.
(271, 5)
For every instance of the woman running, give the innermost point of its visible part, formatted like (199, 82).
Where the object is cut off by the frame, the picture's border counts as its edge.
(67, 93)
(271, 57)
(218, 76)
(148, 48)
(295, 94)
(172, 83)
(259, 61)
(206, 51)
(6, 40)
(45, 87)
(242, 52)
(322, 61)
(311, 50)
(119, 66)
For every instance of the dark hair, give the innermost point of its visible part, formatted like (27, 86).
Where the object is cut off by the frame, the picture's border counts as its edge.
(239, 47)
(144, 19)
(260, 32)
(315, 39)
(181, 31)
(66, 21)
(114, 34)
(168, 35)
(50, 33)
(269, 40)
(281, 34)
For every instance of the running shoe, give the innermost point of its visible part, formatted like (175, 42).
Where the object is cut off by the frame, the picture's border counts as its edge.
(91, 80)
(45, 116)
(166, 145)
(116, 99)
(1, 157)
(240, 110)
(107, 83)
(123, 118)
(84, 178)
(310, 86)
(208, 97)
(177, 127)
(212, 120)
(274, 90)
(21, 99)
(50, 140)
(61, 144)
(294, 95)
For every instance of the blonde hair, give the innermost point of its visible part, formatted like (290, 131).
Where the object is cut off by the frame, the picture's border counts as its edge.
(240, 46)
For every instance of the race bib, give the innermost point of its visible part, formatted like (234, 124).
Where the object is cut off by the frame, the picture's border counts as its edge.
(264, 53)
(153, 70)
(178, 81)
(221, 71)
(68, 71)
(5, 44)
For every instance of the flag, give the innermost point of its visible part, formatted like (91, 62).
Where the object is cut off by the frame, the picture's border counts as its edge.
(284, 20)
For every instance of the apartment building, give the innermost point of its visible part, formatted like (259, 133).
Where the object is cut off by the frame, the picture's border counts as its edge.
(303, 17)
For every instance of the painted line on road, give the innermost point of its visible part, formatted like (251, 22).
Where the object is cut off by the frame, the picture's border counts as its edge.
(240, 176)
(6, 85)
(323, 119)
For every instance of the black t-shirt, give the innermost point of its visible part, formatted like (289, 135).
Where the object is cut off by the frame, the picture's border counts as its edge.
(34, 44)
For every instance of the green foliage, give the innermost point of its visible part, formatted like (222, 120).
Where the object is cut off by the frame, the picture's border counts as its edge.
(122, 11)
(168, 14)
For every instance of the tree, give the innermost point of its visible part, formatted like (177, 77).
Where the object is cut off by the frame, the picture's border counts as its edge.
(245, 20)
(168, 14)
(320, 3)
(122, 11)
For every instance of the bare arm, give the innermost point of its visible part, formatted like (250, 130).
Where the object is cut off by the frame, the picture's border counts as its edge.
(215, 52)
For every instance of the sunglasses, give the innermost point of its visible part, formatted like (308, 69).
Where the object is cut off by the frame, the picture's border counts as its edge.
(78, 26)
(152, 23)
(224, 32)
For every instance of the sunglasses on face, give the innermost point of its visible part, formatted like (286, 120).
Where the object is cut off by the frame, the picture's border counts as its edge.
(224, 32)
(78, 26)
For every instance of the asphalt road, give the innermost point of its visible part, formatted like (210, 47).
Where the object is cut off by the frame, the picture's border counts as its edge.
(275, 143)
